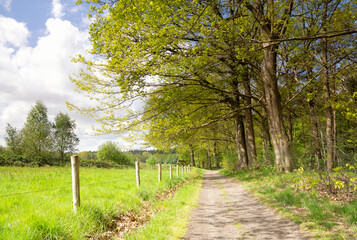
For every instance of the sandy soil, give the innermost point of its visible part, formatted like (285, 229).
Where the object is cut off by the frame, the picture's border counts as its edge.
(227, 211)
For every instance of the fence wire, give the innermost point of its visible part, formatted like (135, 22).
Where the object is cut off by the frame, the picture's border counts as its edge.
(52, 189)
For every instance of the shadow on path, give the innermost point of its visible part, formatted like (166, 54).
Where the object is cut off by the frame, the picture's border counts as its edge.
(227, 211)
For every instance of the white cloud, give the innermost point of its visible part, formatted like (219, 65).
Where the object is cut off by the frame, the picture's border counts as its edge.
(6, 4)
(75, 9)
(57, 9)
(12, 32)
(28, 74)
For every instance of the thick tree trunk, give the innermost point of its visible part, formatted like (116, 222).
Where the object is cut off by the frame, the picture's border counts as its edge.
(249, 130)
(281, 144)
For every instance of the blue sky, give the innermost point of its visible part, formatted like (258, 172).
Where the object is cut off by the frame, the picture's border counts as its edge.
(37, 40)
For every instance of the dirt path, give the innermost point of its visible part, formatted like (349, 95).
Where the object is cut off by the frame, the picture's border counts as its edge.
(227, 211)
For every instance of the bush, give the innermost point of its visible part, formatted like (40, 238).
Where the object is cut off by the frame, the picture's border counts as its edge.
(230, 160)
(109, 152)
(151, 161)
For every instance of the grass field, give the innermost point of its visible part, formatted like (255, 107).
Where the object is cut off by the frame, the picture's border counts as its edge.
(28, 212)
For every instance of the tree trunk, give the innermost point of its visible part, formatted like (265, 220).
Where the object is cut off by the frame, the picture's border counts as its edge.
(315, 133)
(241, 144)
(208, 159)
(62, 156)
(249, 130)
(266, 137)
(327, 95)
(281, 144)
(192, 156)
(334, 145)
(215, 154)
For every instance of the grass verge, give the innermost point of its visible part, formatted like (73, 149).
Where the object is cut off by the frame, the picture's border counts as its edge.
(316, 213)
(171, 220)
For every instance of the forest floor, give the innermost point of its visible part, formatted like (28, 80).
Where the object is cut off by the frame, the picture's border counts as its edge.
(227, 211)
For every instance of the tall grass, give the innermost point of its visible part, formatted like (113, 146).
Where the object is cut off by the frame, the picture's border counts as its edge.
(49, 214)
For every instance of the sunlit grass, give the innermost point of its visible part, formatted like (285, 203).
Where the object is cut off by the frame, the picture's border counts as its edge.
(49, 214)
(326, 219)
(171, 222)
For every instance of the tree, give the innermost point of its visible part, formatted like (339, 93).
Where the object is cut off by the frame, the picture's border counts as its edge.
(151, 161)
(65, 140)
(183, 60)
(37, 136)
(109, 151)
(13, 139)
(207, 63)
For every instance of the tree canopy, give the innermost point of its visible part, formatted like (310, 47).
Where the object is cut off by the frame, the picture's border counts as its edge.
(212, 73)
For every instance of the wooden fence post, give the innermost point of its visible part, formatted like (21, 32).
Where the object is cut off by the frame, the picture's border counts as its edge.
(75, 182)
(137, 167)
(159, 165)
(170, 171)
(177, 169)
(182, 170)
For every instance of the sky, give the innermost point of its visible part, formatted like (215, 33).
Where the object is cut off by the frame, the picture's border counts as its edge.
(37, 40)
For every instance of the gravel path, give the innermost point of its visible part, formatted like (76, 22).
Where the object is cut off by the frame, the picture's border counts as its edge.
(227, 211)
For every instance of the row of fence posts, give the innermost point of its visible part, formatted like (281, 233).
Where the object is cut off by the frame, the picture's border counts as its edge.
(75, 177)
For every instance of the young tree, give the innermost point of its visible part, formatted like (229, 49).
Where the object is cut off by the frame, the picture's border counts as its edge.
(65, 140)
(151, 161)
(109, 151)
(37, 131)
(13, 139)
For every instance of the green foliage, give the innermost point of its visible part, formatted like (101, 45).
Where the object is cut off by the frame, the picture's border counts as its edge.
(65, 140)
(190, 62)
(37, 136)
(110, 152)
(230, 160)
(13, 139)
(35, 144)
(151, 161)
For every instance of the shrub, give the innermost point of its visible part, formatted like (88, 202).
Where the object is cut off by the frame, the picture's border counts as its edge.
(110, 152)
(230, 160)
(151, 161)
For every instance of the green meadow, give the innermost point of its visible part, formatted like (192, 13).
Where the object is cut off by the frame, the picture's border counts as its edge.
(36, 203)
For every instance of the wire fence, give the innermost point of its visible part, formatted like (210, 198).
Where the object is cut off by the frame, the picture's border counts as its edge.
(81, 185)
(64, 187)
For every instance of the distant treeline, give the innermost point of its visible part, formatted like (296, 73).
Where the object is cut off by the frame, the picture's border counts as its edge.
(40, 141)
(90, 158)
